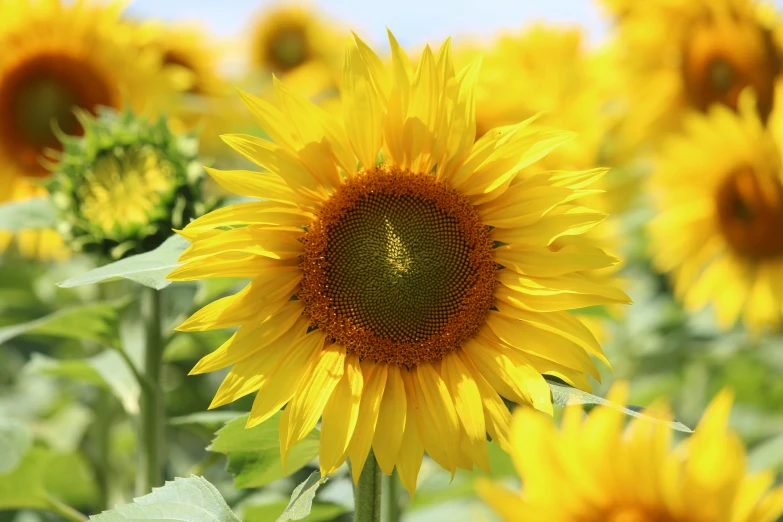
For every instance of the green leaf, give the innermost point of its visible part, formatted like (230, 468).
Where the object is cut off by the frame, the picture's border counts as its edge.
(190, 499)
(93, 321)
(206, 418)
(15, 440)
(148, 269)
(319, 511)
(30, 214)
(254, 454)
(69, 477)
(302, 498)
(24, 486)
(107, 370)
(563, 395)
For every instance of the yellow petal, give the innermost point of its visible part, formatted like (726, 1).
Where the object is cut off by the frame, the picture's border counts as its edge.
(252, 184)
(374, 384)
(340, 416)
(466, 396)
(527, 338)
(280, 161)
(505, 503)
(265, 295)
(420, 126)
(412, 448)
(243, 266)
(250, 373)
(438, 423)
(310, 398)
(274, 242)
(282, 381)
(362, 109)
(391, 421)
(564, 220)
(539, 261)
(250, 337)
(254, 213)
(565, 292)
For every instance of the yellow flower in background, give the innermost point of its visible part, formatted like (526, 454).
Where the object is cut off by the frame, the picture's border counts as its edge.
(399, 300)
(689, 54)
(58, 56)
(720, 214)
(594, 470)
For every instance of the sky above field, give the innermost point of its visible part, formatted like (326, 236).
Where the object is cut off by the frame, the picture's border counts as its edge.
(412, 21)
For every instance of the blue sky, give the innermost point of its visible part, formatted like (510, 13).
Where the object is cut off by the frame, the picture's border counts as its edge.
(412, 21)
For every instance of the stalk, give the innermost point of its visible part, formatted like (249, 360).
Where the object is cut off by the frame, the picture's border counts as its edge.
(367, 494)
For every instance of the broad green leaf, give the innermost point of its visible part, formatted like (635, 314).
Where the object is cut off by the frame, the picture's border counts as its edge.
(206, 418)
(69, 477)
(25, 485)
(563, 395)
(190, 499)
(319, 511)
(254, 454)
(30, 214)
(95, 322)
(302, 498)
(148, 269)
(107, 369)
(15, 440)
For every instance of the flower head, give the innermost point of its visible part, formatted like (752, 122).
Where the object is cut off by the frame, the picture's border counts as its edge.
(125, 184)
(594, 470)
(404, 276)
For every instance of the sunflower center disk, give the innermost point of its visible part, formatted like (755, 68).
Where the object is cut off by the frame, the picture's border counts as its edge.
(288, 48)
(398, 268)
(750, 213)
(721, 59)
(41, 92)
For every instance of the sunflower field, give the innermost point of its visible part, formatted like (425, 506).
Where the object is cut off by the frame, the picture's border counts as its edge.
(531, 277)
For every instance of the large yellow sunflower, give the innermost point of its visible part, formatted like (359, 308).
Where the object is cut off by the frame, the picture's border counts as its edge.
(57, 56)
(689, 54)
(593, 470)
(401, 283)
(719, 194)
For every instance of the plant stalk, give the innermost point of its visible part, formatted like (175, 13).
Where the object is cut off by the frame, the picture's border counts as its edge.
(152, 414)
(367, 494)
(392, 511)
(65, 510)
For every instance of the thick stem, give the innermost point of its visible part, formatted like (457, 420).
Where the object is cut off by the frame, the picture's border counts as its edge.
(367, 494)
(152, 421)
(392, 512)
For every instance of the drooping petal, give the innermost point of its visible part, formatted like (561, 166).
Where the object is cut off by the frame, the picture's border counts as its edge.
(391, 421)
(374, 386)
(340, 416)
(438, 421)
(412, 448)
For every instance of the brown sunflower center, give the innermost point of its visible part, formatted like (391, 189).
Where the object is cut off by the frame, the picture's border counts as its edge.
(724, 57)
(398, 268)
(750, 213)
(40, 92)
(288, 48)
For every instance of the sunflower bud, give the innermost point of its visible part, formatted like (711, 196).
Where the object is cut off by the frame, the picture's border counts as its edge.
(122, 186)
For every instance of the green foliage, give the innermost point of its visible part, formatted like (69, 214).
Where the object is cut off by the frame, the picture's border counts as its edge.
(319, 512)
(30, 214)
(254, 454)
(15, 440)
(302, 498)
(563, 395)
(191, 499)
(148, 269)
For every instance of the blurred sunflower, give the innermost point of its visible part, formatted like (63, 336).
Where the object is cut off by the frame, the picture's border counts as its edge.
(57, 56)
(593, 470)
(720, 203)
(397, 300)
(690, 54)
(293, 41)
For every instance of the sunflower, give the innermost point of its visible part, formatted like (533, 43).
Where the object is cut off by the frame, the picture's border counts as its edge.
(378, 300)
(593, 470)
(288, 37)
(122, 186)
(57, 56)
(719, 195)
(689, 54)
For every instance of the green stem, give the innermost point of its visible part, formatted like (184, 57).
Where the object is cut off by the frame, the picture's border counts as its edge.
(65, 510)
(367, 494)
(152, 421)
(392, 511)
